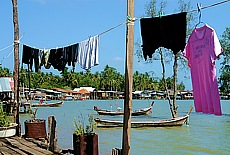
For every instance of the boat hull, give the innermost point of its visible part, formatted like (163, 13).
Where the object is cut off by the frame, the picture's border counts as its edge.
(57, 104)
(179, 121)
(116, 113)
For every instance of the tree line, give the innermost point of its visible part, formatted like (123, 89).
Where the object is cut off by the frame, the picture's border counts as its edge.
(108, 79)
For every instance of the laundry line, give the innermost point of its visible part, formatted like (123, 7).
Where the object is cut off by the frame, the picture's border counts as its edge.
(194, 10)
(7, 56)
(129, 19)
(135, 19)
(18, 42)
(209, 6)
(6, 47)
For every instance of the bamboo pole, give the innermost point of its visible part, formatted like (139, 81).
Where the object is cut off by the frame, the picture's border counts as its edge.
(128, 79)
(16, 64)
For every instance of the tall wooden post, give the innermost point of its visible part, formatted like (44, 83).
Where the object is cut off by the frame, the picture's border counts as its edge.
(16, 64)
(128, 79)
(52, 137)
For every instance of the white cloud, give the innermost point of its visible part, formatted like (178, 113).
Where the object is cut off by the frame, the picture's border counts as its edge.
(118, 59)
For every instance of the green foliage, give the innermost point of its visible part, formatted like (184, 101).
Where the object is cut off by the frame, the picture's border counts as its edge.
(4, 122)
(225, 43)
(33, 113)
(5, 72)
(81, 128)
(181, 86)
(108, 79)
(224, 79)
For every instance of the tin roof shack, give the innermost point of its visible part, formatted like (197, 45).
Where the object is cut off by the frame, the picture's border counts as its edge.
(85, 93)
(6, 94)
(81, 94)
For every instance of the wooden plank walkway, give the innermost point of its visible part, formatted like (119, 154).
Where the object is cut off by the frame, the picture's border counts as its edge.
(21, 146)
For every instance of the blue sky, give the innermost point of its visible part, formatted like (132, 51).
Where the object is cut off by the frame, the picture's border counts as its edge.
(58, 23)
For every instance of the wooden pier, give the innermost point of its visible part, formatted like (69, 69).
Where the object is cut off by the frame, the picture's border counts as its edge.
(22, 146)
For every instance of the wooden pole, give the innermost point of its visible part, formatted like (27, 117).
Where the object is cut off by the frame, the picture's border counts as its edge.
(52, 137)
(128, 78)
(16, 64)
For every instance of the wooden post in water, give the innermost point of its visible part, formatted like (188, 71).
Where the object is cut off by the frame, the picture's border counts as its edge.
(16, 64)
(52, 136)
(128, 78)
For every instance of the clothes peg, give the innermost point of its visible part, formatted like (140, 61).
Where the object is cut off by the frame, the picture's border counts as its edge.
(198, 7)
(160, 14)
(199, 10)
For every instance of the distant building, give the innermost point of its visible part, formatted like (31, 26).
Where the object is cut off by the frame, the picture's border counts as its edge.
(83, 93)
(6, 92)
(186, 94)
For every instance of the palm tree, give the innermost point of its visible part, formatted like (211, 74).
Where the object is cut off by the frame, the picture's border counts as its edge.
(96, 80)
(5, 72)
(136, 81)
(108, 75)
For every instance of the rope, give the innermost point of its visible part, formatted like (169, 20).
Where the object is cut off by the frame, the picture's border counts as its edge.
(15, 42)
(205, 7)
(7, 56)
(131, 20)
(7, 47)
(113, 28)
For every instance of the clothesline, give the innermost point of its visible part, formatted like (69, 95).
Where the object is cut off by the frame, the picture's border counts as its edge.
(7, 56)
(135, 19)
(9, 47)
(11, 44)
(215, 4)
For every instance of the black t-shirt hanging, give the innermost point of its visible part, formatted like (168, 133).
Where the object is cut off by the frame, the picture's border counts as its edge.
(166, 31)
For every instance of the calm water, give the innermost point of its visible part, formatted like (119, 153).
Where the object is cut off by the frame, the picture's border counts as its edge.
(206, 134)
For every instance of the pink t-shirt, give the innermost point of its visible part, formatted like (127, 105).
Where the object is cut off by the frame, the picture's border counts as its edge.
(201, 50)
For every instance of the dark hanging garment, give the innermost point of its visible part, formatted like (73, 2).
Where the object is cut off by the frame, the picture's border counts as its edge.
(51, 59)
(36, 59)
(68, 51)
(63, 60)
(74, 55)
(166, 31)
(58, 59)
(54, 59)
(30, 56)
(26, 53)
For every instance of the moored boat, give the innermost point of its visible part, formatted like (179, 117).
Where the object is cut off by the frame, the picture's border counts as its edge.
(138, 112)
(43, 104)
(179, 121)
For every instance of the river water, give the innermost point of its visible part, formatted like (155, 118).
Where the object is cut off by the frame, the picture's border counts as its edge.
(205, 134)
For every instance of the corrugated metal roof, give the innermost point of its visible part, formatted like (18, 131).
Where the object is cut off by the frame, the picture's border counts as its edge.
(5, 85)
(83, 91)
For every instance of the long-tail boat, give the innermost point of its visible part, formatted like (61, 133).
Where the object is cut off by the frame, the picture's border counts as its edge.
(45, 104)
(178, 121)
(138, 112)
